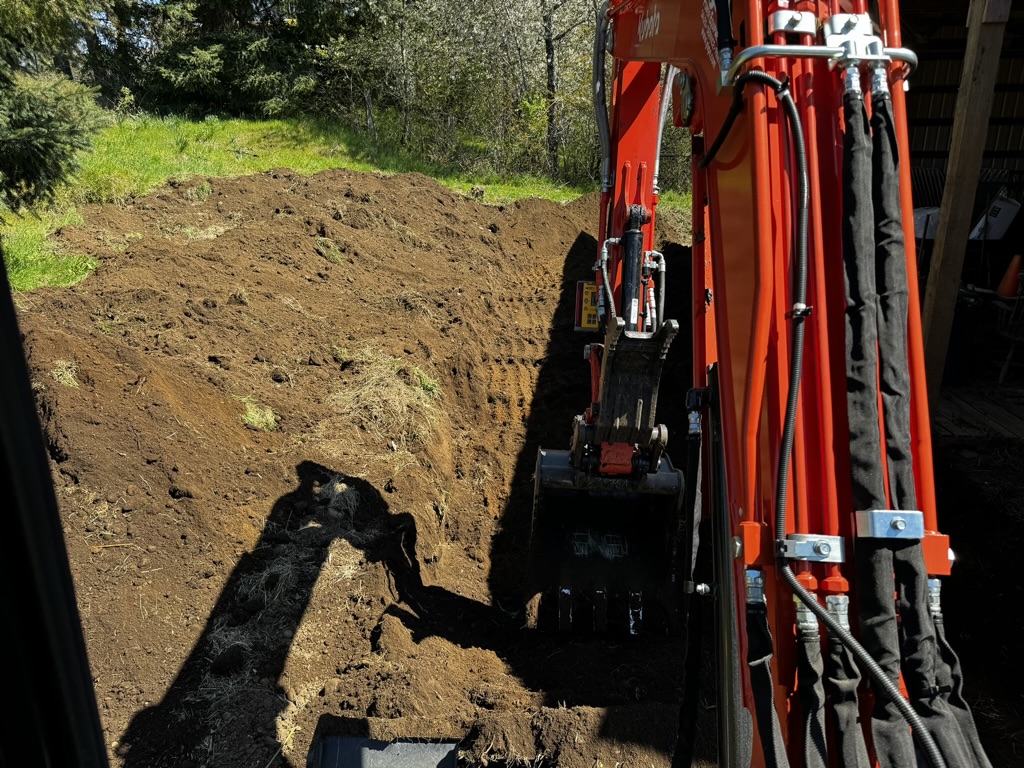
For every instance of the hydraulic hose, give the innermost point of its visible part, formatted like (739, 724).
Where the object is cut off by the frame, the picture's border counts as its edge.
(605, 282)
(600, 100)
(666, 91)
(661, 291)
(799, 314)
(659, 259)
(730, 120)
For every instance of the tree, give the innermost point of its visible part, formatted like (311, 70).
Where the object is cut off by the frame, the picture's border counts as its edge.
(559, 18)
(45, 119)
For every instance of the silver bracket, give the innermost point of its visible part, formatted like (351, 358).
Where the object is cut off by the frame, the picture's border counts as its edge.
(755, 587)
(890, 524)
(793, 22)
(856, 37)
(834, 53)
(813, 548)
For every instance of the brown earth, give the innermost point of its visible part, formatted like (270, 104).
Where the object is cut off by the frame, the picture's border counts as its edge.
(351, 562)
(354, 564)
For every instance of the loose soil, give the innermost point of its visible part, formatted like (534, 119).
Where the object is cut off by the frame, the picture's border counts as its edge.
(293, 423)
(350, 560)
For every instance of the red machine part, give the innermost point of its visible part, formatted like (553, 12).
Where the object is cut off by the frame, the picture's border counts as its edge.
(742, 206)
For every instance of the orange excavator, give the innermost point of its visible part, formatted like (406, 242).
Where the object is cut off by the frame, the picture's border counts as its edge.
(808, 446)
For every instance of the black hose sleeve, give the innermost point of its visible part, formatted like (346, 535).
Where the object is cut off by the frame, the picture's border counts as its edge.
(893, 298)
(950, 679)
(868, 484)
(810, 675)
(916, 636)
(883, 685)
(920, 655)
(844, 679)
(873, 559)
(880, 682)
(760, 650)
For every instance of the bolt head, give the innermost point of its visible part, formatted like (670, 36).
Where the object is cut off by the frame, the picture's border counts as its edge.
(822, 548)
(898, 524)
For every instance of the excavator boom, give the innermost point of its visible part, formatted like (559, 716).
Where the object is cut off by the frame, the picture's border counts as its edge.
(808, 433)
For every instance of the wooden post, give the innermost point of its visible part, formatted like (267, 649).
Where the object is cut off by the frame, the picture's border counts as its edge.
(986, 22)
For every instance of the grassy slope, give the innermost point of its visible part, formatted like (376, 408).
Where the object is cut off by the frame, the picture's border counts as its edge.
(136, 155)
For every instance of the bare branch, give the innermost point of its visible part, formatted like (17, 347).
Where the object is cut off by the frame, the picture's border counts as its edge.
(565, 32)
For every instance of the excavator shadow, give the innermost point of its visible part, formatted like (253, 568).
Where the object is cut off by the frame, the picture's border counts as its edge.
(230, 686)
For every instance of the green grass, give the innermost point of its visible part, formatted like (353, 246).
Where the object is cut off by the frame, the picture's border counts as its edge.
(136, 155)
(430, 387)
(677, 201)
(31, 258)
(259, 417)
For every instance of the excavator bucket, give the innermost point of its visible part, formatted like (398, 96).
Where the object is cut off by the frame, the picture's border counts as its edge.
(602, 549)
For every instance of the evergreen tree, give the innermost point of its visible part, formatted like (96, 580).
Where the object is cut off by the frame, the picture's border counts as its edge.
(45, 119)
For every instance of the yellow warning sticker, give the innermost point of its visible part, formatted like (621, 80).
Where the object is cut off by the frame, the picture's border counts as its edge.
(586, 306)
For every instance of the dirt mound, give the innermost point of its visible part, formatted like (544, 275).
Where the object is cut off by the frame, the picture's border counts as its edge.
(293, 423)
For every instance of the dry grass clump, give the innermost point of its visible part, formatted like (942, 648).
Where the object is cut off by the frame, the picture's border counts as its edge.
(200, 193)
(65, 373)
(239, 296)
(391, 398)
(328, 249)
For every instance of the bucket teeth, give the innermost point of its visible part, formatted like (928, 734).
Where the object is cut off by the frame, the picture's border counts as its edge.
(636, 613)
(600, 611)
(565, 609)
(584, 611)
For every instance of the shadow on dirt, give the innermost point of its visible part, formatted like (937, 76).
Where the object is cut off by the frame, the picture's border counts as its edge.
(636, 679)
(229, 687)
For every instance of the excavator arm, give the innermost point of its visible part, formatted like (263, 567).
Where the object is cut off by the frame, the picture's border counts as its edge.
(808, 411)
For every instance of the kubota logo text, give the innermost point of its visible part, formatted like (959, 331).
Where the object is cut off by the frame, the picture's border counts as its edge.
(650, 24)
